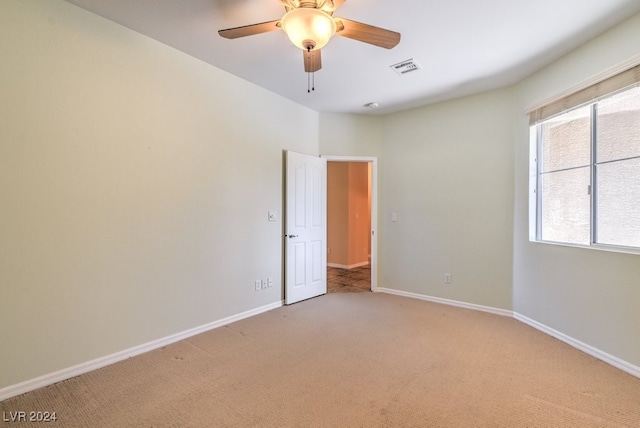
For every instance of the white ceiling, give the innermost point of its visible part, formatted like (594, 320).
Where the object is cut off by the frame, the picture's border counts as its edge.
(463, 46)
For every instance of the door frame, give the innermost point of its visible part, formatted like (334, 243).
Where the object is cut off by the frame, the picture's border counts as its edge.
(374, 208)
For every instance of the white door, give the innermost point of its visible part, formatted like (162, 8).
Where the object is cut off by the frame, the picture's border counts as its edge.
(305, 227)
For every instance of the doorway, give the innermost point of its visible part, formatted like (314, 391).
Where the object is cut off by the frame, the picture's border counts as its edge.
(351, 221)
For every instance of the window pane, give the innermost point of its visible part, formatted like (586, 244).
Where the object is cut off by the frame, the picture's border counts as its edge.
(566, 206)
(566, 140)
(618, 203)
(619, 126)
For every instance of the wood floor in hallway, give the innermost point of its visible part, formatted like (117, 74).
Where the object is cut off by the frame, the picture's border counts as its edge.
(356, 280)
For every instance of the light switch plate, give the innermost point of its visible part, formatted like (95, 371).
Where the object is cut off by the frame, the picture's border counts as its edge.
(272, 216)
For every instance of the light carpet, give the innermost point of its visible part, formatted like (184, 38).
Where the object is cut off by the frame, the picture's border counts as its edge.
(350, 360)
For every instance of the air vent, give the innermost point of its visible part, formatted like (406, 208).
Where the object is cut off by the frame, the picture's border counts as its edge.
(405, 67)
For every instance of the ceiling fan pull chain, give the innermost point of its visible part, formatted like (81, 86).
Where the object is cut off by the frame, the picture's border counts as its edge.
(311, 75)
(311, 81)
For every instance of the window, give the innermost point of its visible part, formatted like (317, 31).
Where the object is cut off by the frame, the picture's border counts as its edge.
(587, 166)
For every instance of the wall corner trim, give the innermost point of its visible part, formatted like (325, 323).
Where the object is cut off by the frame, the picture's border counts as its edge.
(581, 346)
(587, 349)
(475, 307)
(51, 378)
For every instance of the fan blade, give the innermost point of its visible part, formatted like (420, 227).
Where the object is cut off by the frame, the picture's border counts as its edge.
(312, 61)
(330, 6)
(250, 30)
(367, 33)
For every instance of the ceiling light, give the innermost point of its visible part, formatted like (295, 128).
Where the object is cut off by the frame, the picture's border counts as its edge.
(372, 105)
(308, 28)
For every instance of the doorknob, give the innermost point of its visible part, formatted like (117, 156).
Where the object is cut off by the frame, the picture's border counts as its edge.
(293, 236)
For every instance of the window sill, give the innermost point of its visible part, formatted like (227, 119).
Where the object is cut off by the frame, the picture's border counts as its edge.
(597, 247)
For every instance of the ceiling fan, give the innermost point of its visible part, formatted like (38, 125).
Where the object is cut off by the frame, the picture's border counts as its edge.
(310, 25)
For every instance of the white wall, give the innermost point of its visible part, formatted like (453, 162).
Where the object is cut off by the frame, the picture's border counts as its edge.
(592, 296)
(447, 173)
(133, 193)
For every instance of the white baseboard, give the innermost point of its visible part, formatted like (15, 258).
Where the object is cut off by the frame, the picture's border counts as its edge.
(51, 378)
(353, 266)
(587, 349)
(502, 312)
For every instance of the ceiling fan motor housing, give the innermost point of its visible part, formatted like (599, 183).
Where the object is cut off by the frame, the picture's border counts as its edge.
(308, 28)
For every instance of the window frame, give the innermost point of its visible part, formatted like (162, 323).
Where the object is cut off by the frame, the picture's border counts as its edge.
(535, 176)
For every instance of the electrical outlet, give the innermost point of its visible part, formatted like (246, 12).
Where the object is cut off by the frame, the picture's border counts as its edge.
(269, 282)
(258, 284)
(264, 283)
(447, 278)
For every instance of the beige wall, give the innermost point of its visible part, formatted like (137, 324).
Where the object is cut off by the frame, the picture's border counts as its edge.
(457, 175)
(133, 197)
(590, 295)
(351, 134)
(447, 171)
(338, 213)
(359, 213)
(448, 175)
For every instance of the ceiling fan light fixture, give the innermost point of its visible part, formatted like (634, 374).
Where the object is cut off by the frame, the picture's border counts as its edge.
(308, 28)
